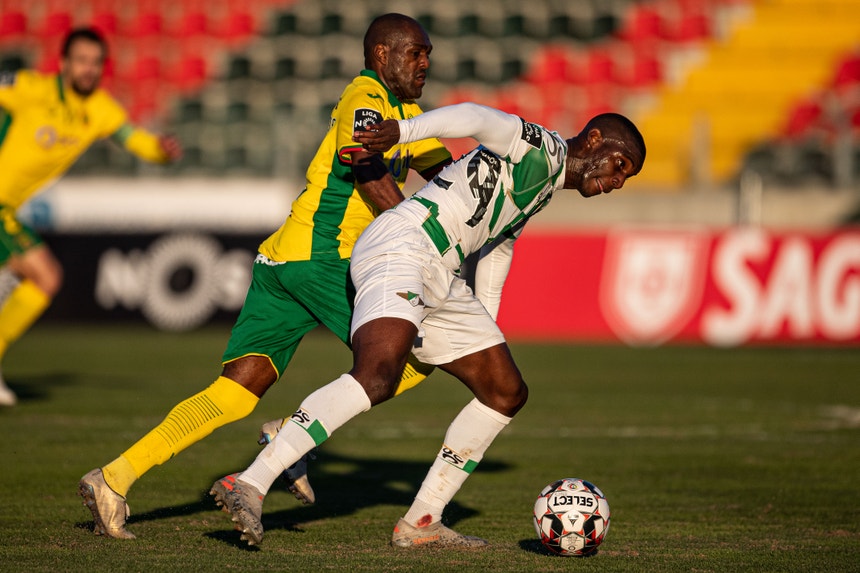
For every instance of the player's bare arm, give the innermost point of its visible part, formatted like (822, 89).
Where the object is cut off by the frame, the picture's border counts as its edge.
(374, 180)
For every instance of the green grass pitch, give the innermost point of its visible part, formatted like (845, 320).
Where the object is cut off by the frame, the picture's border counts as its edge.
(712, 460)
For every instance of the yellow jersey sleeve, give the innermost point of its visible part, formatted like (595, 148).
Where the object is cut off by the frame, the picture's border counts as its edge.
(141, 143)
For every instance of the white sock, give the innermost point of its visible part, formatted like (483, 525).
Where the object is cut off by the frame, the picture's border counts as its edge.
(468, 437)
(320, 414)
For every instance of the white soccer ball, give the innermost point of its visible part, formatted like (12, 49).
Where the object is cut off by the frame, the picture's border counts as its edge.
(571, 517)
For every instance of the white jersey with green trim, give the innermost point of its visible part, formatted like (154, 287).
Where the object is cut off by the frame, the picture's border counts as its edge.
(490, 192)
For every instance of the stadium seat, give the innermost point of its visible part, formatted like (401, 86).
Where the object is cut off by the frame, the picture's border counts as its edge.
(145, 69)
(106, 22)
(237, 27)
(12, 62)
(331, 23)
(189, 111)
(599, 67)
(848, 72)
(145, 25)
(190, 73)
(285, 23)
(54, 26)
(552, 65)
(643, 25)
(13, 27)
(806, 116)
(192, 24)
(645, 70)
(689, 27)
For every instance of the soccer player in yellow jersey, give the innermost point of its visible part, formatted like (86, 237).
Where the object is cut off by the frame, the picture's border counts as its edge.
(46, 123)
(301, 276)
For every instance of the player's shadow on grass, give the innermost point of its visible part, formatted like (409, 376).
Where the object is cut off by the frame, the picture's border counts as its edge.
(343, 485)
(38, 387)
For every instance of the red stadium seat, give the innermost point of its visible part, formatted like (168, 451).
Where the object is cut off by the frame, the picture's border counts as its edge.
(54, 26)
(552, 65)
(804, 118)
(848, 72)
(192, 24)
(144, 69)
(146, 25)
(642, 26)
(190, 73)
(599, 68)
(106, 22)
(237, 26)
(13, 26)
(689, 27)
(645, 70)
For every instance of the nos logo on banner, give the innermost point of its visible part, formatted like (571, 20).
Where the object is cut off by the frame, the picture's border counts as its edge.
(652, 282)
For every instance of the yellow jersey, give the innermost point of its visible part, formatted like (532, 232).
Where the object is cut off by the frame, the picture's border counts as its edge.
(44, 128)
(329, 215)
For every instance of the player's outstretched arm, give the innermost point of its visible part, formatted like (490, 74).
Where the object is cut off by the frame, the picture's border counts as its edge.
(494, 129)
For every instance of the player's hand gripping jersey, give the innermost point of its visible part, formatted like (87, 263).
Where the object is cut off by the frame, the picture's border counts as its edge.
(330, 214)
(45, 128)
(489, 193)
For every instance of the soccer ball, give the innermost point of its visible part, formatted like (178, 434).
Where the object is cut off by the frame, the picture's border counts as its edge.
(571, 517)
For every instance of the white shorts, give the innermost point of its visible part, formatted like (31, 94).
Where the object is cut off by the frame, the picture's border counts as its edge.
(398, 273)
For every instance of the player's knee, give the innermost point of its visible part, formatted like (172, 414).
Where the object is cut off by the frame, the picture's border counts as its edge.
(378, 387)
(519, 397)
(508, 399)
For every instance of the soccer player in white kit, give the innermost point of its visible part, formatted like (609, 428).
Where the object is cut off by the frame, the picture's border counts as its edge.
(410, 297)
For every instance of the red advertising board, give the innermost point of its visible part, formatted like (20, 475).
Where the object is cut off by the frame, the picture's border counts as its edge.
(724, 287)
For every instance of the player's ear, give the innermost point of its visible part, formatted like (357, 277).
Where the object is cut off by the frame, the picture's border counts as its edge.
(594, 138)
(380, 53)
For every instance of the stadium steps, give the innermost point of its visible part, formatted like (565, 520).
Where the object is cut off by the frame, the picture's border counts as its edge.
(744, 88)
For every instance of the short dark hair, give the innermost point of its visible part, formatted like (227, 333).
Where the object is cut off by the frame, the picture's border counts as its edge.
(90, 34)
(382, 30)
(618, 126)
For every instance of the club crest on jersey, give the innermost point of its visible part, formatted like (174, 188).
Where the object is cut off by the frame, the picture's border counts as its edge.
(7, 78)
(411, 298)
(365, 116)
(532, 135)
(651, 283)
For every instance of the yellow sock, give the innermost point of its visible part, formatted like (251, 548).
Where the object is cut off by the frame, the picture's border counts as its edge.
(23, 306)
(414, 373)
(187, 423)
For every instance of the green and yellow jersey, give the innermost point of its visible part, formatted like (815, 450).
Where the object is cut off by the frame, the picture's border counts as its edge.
(329, 215)
(44, 128)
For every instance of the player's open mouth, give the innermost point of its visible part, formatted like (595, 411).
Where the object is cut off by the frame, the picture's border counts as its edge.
(599, 185)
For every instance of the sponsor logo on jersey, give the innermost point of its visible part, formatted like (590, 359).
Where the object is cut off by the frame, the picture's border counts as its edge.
(46, 136)
(364, 116)
(532, 135)
(652, 282)
(411, 298)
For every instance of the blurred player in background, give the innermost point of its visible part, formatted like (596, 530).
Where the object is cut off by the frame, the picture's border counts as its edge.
(301, 275)
(46, 123)
(410, 298)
